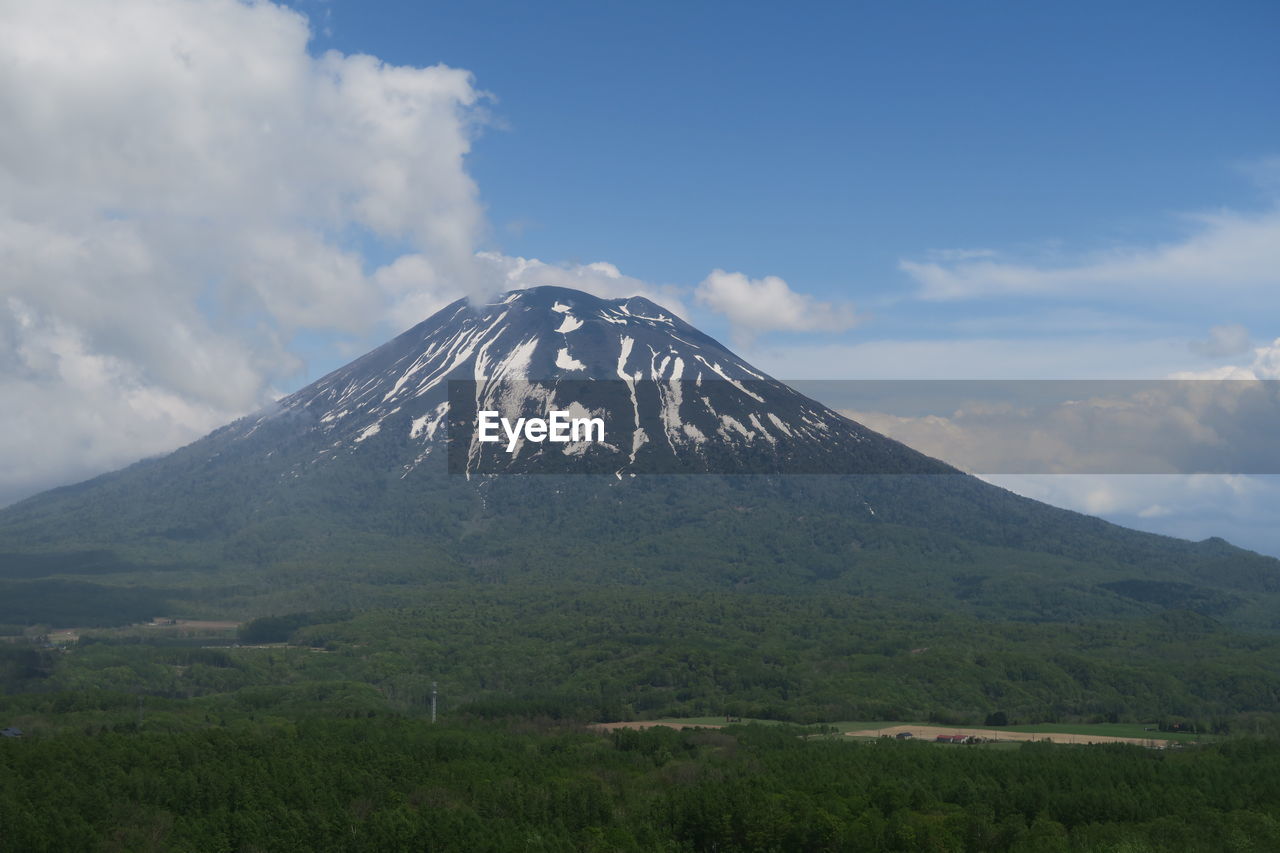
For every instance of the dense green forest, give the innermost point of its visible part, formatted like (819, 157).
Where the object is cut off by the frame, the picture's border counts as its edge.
(381, 782)
(615, 654)
(310, 730)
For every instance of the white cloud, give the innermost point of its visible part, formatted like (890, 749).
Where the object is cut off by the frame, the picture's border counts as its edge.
(1224, 340)
(1141, 495)
(600, 278)
(70, 412)
(954, 255)
(1227, 251)
(1058, 357)
(755, 305)
(1265, 365)
(418, 289)
(182, 188)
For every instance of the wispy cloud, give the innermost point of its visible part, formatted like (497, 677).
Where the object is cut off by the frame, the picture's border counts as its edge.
(1226, 251)
(1223, 340)
(1109, 427)
(1050, 356)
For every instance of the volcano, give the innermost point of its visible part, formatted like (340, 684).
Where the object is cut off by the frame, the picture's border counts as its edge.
(366, 488)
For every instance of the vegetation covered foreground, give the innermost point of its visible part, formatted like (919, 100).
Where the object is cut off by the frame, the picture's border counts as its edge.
(310, 731)
(388, 783)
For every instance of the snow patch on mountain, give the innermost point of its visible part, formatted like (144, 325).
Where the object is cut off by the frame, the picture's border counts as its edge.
(715, 366)
(565, 361)
(569, 324)
(780, 424)
(516, 364)
(428, 424)
(755, 422)
(728, 423)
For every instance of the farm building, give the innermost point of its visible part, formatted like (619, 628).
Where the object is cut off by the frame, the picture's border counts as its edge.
(955, 739)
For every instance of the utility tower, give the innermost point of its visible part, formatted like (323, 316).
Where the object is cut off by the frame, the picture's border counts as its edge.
(433, 701)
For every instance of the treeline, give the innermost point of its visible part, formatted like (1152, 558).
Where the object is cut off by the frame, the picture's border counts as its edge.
(279, 629)
(74, 602)
(384, 783)
(631, 653)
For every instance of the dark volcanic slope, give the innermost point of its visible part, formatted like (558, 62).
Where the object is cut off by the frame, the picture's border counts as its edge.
(339, 493)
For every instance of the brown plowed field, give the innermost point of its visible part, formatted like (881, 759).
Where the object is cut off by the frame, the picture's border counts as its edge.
(931, 732)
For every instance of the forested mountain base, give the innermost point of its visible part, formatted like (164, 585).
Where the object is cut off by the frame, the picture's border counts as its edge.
(383, 783)
(635, 601)
(617, 653)
(144, 541)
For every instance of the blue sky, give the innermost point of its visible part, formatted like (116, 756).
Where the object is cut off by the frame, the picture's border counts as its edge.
(828, 144)
(205, 204)
(824, 142)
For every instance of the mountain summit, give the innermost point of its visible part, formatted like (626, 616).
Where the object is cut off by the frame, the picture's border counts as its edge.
(340, 495)
(671, 398)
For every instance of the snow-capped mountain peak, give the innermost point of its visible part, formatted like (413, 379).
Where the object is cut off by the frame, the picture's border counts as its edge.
(671, 398)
